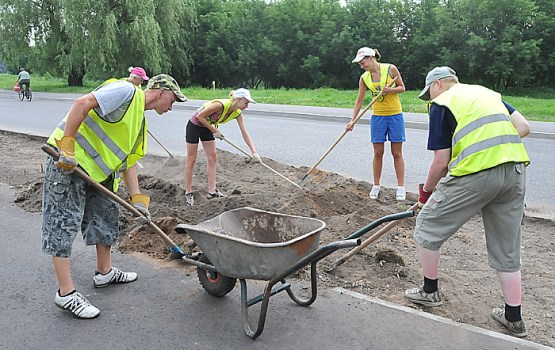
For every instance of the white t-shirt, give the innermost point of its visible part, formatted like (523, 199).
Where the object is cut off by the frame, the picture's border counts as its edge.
(113, 100)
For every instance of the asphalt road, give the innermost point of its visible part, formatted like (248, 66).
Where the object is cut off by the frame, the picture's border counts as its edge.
(299, 136)
(166, 308)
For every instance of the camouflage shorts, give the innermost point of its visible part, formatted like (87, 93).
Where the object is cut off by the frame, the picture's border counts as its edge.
(69, 204)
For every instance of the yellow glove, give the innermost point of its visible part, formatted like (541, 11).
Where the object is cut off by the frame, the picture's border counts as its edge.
(141, 202)
(66, 161)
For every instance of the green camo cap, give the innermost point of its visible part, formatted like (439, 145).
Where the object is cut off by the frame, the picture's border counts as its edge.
(166, 82)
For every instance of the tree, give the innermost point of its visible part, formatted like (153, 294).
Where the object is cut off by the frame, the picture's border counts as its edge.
(99, 38)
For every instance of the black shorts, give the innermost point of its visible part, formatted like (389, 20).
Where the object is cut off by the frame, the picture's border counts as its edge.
(194, 132)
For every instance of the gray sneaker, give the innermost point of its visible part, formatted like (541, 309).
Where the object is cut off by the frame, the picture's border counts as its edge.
(419, 296)
(215, 194)
(189, 199)
(516, 328)
(77, 304)
(113, 277)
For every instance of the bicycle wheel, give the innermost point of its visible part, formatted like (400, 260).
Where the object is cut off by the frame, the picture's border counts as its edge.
(21, 95)
(29, 95)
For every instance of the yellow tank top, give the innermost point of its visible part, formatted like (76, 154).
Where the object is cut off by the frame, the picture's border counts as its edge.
(391, 103)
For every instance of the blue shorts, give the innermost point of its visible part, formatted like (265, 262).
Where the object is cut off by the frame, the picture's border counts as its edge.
(387, 128)
(71, 205)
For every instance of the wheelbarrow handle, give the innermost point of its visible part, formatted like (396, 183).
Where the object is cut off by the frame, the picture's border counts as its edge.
(315, 256)
(83, 175)
(392, 217)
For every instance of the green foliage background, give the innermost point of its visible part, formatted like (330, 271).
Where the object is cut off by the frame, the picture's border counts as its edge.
(502, 44)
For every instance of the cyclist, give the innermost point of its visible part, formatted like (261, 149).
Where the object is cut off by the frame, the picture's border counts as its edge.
(24, 78)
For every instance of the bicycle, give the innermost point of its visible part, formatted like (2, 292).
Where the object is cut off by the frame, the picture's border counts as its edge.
(25, 93)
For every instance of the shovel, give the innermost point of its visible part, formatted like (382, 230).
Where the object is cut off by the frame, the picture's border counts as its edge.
(346, 131)
(174, 248)
(393, 219)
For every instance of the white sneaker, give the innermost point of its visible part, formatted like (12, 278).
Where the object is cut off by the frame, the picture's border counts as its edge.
(189, 199)
(77, 304)
(215, 194)
(375, 192)
(113, 277)
(401, 194)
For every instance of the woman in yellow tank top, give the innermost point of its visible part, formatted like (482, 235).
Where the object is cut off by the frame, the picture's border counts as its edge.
(387, 121)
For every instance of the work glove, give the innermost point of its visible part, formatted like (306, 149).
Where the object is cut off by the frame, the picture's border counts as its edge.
(423, 195)
(66, 161)
(256, 157)
(141, 202)
(219, 135)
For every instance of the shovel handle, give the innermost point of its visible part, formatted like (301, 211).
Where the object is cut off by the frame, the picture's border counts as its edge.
(373, 237)
(345, 132)
(174, 247)
(265, 165)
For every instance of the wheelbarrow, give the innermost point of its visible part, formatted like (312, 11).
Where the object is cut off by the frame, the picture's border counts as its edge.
(248, 243)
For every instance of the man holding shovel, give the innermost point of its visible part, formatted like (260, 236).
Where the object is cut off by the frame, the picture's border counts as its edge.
(479, 166)
(105, 134)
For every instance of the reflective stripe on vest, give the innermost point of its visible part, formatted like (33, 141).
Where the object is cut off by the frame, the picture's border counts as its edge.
(104, 152)
(484, 136)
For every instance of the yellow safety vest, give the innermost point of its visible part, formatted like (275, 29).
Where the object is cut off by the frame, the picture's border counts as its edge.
(391, 103)
(104, 149)
(484, 136)
(223, 119)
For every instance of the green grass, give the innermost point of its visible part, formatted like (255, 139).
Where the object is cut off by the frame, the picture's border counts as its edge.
(535, 105)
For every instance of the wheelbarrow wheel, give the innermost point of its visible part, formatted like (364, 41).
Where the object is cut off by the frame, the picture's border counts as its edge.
(214, 283)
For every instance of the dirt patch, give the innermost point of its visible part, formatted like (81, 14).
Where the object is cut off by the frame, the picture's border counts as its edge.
(384, 269)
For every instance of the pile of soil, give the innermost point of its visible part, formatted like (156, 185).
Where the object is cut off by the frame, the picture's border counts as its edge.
(384, 269)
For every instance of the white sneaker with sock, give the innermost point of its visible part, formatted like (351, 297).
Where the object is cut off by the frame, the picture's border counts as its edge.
(76, 303)
(401, 194)
(375, 192)
(115, 276)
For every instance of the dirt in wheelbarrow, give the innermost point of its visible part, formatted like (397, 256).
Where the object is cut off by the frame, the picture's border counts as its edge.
(384, 269)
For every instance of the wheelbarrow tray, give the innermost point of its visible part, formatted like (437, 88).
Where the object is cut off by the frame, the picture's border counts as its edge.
(249, 243)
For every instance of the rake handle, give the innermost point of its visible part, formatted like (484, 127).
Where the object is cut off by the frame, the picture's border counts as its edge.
(345, 132)
(265, 165)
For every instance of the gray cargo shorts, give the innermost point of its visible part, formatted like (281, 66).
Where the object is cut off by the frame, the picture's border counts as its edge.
(70, 204)
(497, 194)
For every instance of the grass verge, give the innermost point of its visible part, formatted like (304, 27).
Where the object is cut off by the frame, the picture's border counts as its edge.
(539, 106)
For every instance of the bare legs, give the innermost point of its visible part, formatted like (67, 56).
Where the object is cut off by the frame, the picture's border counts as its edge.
(511, 286)
(398, 162)
(62, 266)
(211, 158)
(192, 149)
(63, 273)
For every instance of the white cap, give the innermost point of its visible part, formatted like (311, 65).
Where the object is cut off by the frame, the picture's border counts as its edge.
(242, 93)
(363, 52)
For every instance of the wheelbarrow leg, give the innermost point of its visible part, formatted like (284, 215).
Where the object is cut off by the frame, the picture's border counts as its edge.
(263, 309)
(314, 288)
